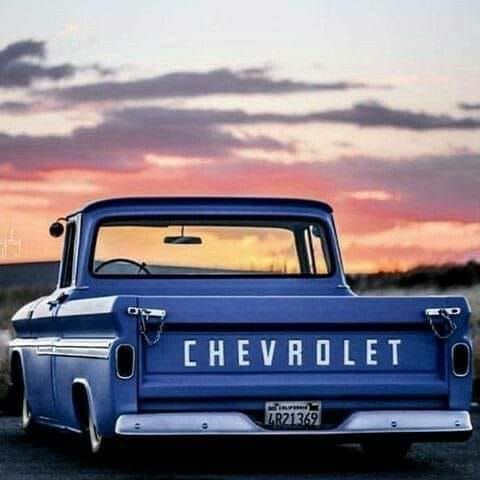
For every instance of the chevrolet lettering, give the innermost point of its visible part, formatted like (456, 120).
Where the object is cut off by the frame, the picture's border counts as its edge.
(296, 352)
(231, 317)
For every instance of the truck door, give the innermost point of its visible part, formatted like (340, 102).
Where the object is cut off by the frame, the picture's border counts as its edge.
(46, 328)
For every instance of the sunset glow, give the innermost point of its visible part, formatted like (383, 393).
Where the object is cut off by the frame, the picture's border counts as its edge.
(204, 102)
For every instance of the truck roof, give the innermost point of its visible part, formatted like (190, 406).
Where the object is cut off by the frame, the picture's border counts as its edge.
(123, 202)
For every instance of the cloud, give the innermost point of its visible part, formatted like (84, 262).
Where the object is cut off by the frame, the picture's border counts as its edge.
(380, 200)
(100, 69)
(407, 244)
(370, 192)
(21, 49)
(343, 144)
(123, 139)
(126, 136)
(380, 195)
(361, 114)
(416, 189)
(469, 106)
(15, 107)
(377, 115)
(360, 258)
(412, 234)
(435, 187)
(371, 114)
(26, 201)
(18, 70)
(195, 84)
(51, 183)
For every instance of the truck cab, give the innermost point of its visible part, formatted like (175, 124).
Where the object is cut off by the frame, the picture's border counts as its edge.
(232, 316)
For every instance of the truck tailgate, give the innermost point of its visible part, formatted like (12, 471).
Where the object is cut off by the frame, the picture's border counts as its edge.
(337, 348)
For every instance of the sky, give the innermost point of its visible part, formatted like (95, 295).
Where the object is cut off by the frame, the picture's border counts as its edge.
(372, 106)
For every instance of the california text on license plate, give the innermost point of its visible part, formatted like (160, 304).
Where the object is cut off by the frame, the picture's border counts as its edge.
(293, 414)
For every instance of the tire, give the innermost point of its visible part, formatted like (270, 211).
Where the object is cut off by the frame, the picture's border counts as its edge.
(98, 445)
(28, 424)
(15, 390)
(387, 451)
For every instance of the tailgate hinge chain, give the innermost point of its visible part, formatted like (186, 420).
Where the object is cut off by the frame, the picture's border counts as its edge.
(145, 314)
(441, 322)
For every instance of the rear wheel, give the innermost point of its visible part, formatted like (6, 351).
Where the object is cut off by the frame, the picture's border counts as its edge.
(92, 440)
(28, 423)
(97, 443)
(94, 437)
(386, 451)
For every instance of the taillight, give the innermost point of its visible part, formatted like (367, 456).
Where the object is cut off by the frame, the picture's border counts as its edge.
(125, 359)
(461, 359)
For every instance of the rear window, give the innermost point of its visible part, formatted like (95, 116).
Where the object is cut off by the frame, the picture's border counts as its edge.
(159, 248)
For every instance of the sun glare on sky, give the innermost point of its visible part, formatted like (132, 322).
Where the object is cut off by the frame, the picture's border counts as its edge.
(371, 107)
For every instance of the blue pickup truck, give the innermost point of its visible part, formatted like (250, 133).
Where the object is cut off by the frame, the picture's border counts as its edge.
(232, 317)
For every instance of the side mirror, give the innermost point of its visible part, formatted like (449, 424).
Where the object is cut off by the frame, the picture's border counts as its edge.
(56, 229)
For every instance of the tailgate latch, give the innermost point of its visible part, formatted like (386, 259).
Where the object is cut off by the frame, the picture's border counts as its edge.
(441, 322)
(152, 322)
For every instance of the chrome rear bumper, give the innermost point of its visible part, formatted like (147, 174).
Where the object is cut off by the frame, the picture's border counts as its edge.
(235, 423)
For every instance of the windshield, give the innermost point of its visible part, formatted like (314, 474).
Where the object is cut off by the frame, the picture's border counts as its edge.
(229, 247)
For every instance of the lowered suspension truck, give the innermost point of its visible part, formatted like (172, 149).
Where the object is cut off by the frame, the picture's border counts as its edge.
(216, 317)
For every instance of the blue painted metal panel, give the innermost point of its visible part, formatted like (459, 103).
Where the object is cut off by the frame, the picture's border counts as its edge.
(420, 369)
(295, 352)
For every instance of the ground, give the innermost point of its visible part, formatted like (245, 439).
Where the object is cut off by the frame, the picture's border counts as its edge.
(55, 456)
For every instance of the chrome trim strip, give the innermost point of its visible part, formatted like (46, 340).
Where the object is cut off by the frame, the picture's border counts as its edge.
(469, 350)
(88, 306)
(134, 360)
(45, 350)
(85, 348)
(260, 296)
(147, 312)
(236, 423)
(63, 342)
(50, 423)
(78, 236)
(24, 342)
(84, 343)
(447, 310)
(404, 420)
(31, 342)
(79, 352)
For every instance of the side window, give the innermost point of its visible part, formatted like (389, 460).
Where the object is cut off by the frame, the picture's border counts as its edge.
(68, 256)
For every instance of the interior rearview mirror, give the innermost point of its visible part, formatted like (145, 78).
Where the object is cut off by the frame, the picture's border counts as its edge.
(183, 240)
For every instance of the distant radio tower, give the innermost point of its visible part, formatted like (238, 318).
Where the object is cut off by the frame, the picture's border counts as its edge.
(10, 244)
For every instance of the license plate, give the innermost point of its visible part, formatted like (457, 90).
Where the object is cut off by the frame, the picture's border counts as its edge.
(301, 415)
